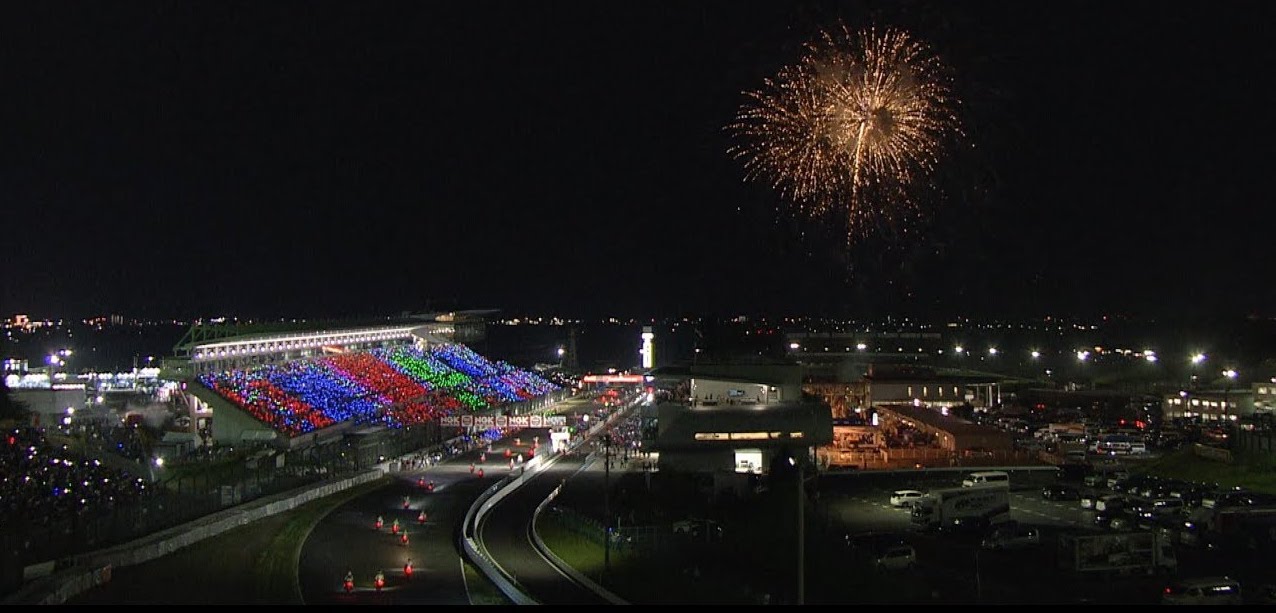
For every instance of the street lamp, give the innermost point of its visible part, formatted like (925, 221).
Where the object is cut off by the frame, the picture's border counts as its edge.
(1036, 354)
(1227, 391)
(1197, 359)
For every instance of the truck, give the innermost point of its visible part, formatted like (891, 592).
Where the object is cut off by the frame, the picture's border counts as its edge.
(959, 508)
(1251, 528)
(1060, 428)
(1118, 553)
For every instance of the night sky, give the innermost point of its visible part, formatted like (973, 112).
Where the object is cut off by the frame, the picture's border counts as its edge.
(284, 159)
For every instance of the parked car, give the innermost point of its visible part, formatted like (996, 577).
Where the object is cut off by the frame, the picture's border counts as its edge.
(1110, 502)
(868, 544)
(1222, 497)
(1238, 498)
(897, 557)
(1012, 538)
(1191, 495)
(1117, 477)
(905, 498)
(1060, 492)
(1205, 590)
(1130, 485)
(1088, 499)
(1114, 520)
(1161, 507)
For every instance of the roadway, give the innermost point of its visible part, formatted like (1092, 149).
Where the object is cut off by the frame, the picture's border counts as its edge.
(507, 533)
(347, 540)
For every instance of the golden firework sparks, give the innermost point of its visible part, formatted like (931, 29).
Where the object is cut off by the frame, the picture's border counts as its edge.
(855, 125)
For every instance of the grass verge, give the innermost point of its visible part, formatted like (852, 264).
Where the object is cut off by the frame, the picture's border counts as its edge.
(1253, 471)
(481, 591)
(275, 569)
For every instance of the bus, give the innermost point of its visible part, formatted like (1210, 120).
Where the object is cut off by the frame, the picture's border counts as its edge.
(1114, 444)
(989, 477)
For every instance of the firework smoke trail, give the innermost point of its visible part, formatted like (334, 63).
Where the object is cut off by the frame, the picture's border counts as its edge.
(856, 124)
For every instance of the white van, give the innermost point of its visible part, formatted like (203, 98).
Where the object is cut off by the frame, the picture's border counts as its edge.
(990, 477)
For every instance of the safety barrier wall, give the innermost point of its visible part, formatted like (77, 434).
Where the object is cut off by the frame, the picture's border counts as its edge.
(92, 569)
(576, 575)
(471, 543)
(473, 546)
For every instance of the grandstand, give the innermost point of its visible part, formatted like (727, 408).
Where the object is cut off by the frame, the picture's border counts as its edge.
(392, 386)
(213, 348)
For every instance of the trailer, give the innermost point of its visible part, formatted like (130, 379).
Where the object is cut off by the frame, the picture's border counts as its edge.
(1117, 553)
(979, 506)
(1248, 527)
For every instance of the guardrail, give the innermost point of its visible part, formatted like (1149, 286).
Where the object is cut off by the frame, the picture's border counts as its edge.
(563, 566)
(476, 552)
(471, 542)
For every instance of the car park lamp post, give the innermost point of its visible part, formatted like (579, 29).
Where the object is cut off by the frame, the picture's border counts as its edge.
(1197, 359)
(1227, 392)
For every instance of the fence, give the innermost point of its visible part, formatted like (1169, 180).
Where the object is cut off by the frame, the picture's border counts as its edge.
(830, 458)
(1254, 441)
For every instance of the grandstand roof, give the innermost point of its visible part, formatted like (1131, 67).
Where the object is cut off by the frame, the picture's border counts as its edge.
(236, 331)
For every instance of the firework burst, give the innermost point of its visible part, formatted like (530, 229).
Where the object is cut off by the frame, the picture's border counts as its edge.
(856, 125)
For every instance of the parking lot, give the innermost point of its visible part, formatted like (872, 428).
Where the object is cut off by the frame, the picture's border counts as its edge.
(955, 568)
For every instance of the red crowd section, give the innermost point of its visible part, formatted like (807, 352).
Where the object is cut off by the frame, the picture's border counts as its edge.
(378, 377)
